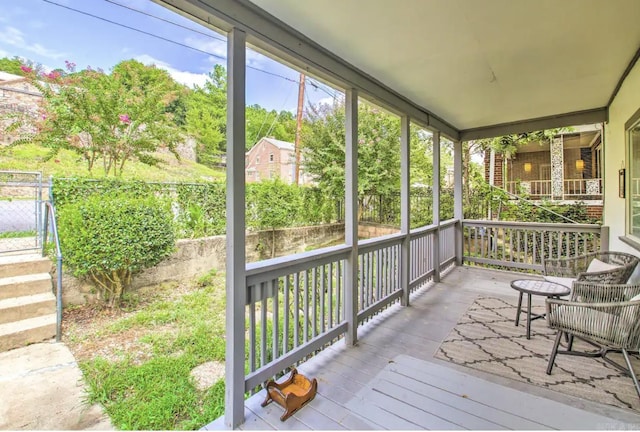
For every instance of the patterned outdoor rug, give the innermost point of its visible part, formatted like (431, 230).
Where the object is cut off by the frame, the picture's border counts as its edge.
(486, 339)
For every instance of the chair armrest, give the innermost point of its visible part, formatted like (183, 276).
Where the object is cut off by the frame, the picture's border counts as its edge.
(593, 292)
(614, 324)
(566, 267)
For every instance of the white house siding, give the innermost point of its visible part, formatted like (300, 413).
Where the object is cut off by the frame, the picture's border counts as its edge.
(625, 104)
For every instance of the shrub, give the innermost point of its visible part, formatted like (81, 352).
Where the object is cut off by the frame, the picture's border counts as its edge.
(110, 238)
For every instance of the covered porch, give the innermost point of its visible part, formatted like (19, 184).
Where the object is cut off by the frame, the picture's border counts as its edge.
(393, 380)
(364, 304)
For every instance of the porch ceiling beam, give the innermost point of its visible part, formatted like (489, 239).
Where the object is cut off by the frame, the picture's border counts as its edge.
(598, 115)
(267, 33)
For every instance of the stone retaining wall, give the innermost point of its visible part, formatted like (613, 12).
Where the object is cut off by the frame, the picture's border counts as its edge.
(195, 257)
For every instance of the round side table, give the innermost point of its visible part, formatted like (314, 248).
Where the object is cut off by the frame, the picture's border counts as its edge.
(539, 288)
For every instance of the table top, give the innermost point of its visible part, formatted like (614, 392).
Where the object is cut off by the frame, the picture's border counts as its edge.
(540, 287)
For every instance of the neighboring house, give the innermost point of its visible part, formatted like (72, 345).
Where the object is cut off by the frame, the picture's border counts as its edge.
(17, 95)
(567, 169)
(271, 158)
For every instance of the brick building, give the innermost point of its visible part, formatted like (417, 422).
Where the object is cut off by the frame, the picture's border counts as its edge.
(271, 158)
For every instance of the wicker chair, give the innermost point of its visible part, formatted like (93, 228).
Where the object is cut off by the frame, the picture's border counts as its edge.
(575, 268)
(607, 317)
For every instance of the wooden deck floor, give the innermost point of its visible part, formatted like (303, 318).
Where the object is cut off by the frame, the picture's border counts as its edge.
(390, 380)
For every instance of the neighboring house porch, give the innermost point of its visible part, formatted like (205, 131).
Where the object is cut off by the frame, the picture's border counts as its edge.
(568, 169)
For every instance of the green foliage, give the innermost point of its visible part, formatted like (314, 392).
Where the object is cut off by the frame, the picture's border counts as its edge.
(378, 151)
(206, 117)
(11, 65)
(261, 123)
(272, 204)
(109, 238)
(207, 278)
(200, 208)
(32, 157)
(17, 234)
(113, 118)
(150, 387)
(508, 144)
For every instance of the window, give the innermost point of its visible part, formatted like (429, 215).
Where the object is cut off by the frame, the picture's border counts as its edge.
(270, 157)
(257, 160)
(633, 175)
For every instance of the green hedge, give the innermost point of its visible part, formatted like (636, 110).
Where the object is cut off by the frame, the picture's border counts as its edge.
(109, 238)
(199, 209)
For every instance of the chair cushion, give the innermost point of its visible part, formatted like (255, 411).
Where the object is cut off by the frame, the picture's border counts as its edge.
(565, 281)
(597, 266)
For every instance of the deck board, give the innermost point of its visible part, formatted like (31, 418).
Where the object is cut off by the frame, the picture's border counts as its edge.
(502, 419)
(390, 379)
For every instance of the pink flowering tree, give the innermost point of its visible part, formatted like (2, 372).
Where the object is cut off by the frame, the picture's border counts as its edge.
(108, 119)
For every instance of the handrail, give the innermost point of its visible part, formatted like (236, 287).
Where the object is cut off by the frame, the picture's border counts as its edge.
(50, 209)
(534, 204)
(549, 226)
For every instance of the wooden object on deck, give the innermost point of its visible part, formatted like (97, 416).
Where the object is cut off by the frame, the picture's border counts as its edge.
(291, 394)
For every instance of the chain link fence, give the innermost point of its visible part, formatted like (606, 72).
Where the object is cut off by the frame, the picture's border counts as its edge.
(20, 211)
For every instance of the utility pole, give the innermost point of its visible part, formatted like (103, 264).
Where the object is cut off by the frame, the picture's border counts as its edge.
(299, 127)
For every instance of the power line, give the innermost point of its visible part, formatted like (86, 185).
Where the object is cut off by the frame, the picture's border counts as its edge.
(166, 20)
(165, 39)
(319, 86)
(133, 28)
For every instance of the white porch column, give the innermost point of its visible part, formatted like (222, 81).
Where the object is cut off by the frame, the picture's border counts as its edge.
(405, 207)
(236, 287)
(557, 168)
(351, 215)
(458, 199)
(436, 206)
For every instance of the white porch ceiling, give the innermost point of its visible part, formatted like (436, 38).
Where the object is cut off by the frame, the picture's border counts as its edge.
(478, 63)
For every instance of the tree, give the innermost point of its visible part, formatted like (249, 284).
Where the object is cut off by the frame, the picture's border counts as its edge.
(378, 151)
(110, 238)
(261, 123)
(206, 117)
(11, 65)
(114, 117)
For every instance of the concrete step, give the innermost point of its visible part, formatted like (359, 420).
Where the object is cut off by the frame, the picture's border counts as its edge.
(18, 265)
(16, 286)
(24, 307)
(22, 333)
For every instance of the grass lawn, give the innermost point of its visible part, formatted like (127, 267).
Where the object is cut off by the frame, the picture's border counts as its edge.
(137, 361)
(30, 157)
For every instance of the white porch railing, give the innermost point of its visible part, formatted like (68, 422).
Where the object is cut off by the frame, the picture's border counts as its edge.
(577, 188)
(295, 304)
(572, 188)
(524, 245)
(541, 188)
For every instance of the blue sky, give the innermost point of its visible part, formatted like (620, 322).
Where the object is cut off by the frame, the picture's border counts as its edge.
(48, 32)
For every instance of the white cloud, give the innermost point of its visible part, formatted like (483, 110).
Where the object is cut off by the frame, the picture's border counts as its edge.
(326, 101)
(218, 50)
(183, 77)
(14, 37)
